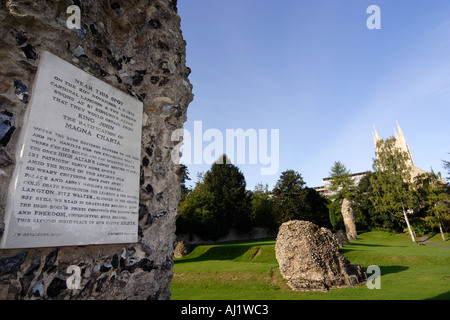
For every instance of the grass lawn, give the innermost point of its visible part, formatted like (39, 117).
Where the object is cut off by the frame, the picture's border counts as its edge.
(249, 271)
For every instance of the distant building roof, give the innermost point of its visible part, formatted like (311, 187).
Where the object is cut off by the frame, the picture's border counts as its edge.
(351, 175)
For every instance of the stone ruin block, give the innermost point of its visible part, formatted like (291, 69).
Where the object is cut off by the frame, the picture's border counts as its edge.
(309, 258)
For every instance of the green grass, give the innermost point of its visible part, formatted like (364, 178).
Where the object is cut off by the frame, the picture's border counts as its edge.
(249, 270)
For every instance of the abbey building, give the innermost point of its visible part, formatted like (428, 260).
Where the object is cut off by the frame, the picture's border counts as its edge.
(400, 143)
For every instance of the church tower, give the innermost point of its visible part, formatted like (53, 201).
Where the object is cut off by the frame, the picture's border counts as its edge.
(400, 143)
(376, 138)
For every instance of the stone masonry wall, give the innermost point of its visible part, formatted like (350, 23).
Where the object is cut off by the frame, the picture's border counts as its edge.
(136, 46)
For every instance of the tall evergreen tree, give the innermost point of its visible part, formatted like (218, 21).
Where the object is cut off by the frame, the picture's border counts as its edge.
(286, 195)
(447, 166)
(293, 201)
(231, 201)
(342, 183)
(184, 189)
(218, 203)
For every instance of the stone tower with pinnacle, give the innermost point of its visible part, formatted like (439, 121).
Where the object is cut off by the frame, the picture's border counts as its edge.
(400, 143)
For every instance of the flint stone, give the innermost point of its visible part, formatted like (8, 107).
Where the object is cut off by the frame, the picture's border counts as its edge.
(56, 287)
(6, 127)
(309, 258)
(38, 289)
(11, 264)
(5, 159)
(21, 90)
(30, 52)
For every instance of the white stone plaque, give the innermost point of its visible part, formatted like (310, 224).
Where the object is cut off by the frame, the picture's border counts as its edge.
(76, 180)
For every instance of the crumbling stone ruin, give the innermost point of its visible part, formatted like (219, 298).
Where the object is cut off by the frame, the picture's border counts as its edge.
(137, 47)
(341, 238)
(349, 219)
(309, 258)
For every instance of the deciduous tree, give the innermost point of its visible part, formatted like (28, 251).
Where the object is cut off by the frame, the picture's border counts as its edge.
(435, 198)
(392, 188)
(262, 207)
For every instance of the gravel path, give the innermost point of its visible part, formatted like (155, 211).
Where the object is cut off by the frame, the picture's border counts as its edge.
(424, 240)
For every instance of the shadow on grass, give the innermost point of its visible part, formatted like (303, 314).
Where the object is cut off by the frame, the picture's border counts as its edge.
(222, 252)
(369, 245)
(354, 246)
(443, 296)
(392, 269)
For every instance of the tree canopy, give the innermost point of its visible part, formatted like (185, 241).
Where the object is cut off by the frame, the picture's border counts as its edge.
(434, 198)
(341, 185)
(218, 203)
(293, 201)
(386, 198)
(262, 207)
(392, 188)
(341, 181)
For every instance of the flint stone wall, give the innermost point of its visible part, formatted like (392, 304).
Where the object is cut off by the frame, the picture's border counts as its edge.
(309, 258)
(136, 46)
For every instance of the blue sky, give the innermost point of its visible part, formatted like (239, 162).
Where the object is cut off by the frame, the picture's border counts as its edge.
(313, 70)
